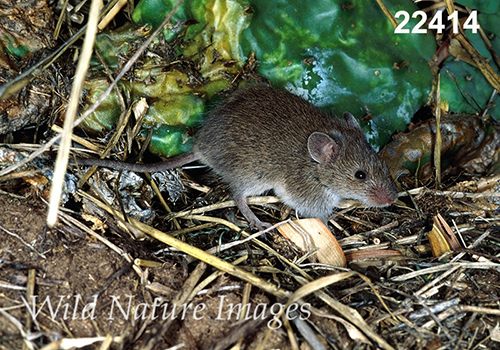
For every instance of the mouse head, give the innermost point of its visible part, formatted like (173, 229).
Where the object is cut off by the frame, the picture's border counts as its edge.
(349, 167)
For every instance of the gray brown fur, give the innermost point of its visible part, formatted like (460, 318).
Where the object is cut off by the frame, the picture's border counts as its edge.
(263, 139)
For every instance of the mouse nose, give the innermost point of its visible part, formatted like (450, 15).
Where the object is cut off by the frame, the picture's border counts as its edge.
(382, 196)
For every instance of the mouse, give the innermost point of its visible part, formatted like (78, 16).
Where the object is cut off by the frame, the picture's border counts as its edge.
(261, 138)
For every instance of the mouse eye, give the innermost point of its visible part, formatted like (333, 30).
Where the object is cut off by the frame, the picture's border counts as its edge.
(360, 175)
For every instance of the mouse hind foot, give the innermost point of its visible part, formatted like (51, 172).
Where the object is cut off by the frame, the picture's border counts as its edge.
(241, 202)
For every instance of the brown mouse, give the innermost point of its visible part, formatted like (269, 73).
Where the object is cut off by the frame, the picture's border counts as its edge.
(261, 139)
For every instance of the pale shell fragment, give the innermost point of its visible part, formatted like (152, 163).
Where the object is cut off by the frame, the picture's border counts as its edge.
(312, 235)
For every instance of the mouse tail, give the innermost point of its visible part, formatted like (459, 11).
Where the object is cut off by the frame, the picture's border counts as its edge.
(171, 163)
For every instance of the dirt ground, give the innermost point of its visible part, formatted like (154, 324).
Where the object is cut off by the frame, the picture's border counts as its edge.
(70, 269)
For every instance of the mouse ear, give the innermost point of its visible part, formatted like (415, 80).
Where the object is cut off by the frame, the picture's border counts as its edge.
(323, 148)
(351, 121)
